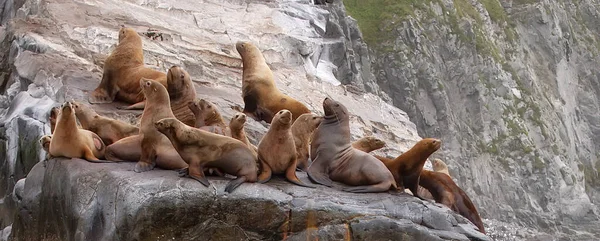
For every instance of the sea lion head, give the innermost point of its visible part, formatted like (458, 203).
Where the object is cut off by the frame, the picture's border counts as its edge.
(283, 117)
(334, 109)
(125, 33)
(177, 80)
(45, 142)
(310, 120)
(201, 106)
(82, 109)
(166, 125)
(375, 142)
(428, 145)
(237, 121)
(438, 164)
(153, 89)
(67, 108)
(54, 112)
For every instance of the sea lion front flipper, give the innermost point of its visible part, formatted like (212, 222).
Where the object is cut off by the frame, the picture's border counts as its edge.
(235, 183)
(196, 172)
(89, 156)
(182, 172)
(265, 173)
(147, 160)
(290, 175)
(137, 106)
(316, 173)
(143, 166)
(380, 187)
(105, 92)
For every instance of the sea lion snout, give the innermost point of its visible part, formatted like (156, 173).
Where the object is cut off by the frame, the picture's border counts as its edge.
(239, 46)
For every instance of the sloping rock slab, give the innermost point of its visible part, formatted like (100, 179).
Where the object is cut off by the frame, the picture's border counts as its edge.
(71, 199)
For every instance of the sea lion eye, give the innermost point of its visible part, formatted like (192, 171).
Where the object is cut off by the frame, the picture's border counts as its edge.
(314, 118)
(148, 83)
(182, 76)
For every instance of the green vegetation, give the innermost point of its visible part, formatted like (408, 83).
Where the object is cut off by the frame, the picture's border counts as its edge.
(495, 10)
(521, 2)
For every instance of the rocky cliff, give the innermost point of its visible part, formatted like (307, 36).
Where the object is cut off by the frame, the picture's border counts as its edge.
(52, 51)
(512, 89)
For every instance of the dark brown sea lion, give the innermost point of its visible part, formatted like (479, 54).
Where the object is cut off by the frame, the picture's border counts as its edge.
(335, 159)
(277, 151)
(261, 97)
(201, 148)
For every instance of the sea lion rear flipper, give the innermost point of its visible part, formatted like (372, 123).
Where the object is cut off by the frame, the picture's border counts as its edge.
(182, 172)
(137, 106)
(233, 184)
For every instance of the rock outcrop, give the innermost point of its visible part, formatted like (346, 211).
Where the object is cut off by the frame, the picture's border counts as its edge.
(511, 88)
(53, 51)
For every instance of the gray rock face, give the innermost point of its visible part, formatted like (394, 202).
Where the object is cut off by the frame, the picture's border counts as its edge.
(54, 50)
(69, 199)
(512, 91)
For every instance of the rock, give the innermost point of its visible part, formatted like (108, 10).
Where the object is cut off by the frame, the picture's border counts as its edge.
(73, 199)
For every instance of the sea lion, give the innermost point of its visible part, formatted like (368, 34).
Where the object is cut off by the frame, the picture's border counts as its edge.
(277, 151)
(45, 143)
(207, 116)
(201, 148)
(52, 118)
(407, 167)
(335, 159)
(261, 97)
(440, 166)
(123, 70)
(446, 192)
(368, 144)
(110, 130)
(238, 132)
(181, 92)
(150, 147)
(72, 142)
(302, 130)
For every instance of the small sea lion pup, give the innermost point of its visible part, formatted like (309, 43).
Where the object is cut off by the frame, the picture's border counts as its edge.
(446, 192)
(150, 147)
(335, 159)
(122, 72)
(110, 130)
(201, 148)
(407, 167)
(45, 143)
(207, 116)
(368, 144)
(440, 166)
(238, 132)
(71, 142)
(277, 151)
(261, 97)
(302, 129)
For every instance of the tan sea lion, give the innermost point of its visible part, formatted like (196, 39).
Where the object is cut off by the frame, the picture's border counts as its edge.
(109, 129)
(407, 167)
(335, 159)
(123, 70)
(45, 143)
(207, 116)
(72, 142)
(201, 148)
(446, 192)
(150, 147)
(440, 166)
(302, 130)
(261, 97)
(238, 132)
(368, 144)
(277, 151)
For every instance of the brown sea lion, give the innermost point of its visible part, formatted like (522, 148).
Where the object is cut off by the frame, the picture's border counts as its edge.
(150, 147)
(277, 151)
(52, 118)
(72, 142)
(335, 159)
(261, 97)
(110, 130)
(302, 130)
(446, 192)
(238, 132)
(123, 70)
(45, 143)
(207, 116)
(407, 167)
(368, 144)
(201, 148)
(440, 166)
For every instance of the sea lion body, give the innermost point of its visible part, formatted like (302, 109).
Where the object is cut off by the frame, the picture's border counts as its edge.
(207, 116)
(277, 151)
(110, 130)
(446, 192)
(302, 130)
(261, 97)
(150, 147)
(335, 159)
(238, 132)
(368, 144)
(200, 148)
(407, 167)
(123, 70)
(71, 142)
